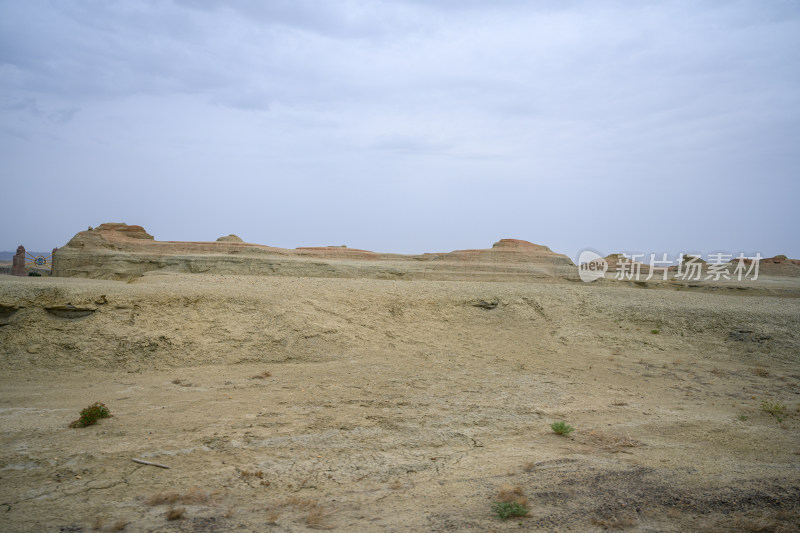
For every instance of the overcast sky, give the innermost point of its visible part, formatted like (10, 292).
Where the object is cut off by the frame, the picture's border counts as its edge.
(405, 125)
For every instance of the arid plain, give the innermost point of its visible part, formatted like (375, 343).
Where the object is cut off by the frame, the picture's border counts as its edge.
(290, 403)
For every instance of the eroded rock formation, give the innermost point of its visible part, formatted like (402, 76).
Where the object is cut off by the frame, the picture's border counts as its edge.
(230, 238)
(123, 252)
(18, 262)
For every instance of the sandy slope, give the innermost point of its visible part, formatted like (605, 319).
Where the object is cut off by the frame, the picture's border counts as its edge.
(396, 406)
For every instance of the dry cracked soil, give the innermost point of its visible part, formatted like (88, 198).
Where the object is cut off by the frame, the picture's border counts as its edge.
(294, 404)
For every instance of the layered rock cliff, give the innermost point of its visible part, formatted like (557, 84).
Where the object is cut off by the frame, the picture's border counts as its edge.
(122, 252)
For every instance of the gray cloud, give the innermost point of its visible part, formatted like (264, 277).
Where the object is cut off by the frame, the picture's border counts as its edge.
(30, 106)
(416, 107)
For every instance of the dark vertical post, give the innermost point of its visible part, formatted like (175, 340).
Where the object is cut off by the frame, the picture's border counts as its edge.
(53, 262)
(18, 263)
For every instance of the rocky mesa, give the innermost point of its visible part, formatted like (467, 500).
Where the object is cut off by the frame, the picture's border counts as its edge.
(119, 251)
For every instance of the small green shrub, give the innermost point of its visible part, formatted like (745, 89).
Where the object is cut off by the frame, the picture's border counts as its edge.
(91, 415)
(562, 428)
(743, 418)
(774, 408)
(655, 331)
(506, 510)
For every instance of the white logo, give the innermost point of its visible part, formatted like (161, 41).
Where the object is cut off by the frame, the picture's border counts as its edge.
(591, 266)
(688, 267)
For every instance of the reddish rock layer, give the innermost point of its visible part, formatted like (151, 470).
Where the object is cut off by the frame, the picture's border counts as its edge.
(119, 251)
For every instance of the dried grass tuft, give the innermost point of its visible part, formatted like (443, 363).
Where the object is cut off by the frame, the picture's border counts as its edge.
(511, 494)
(175, 513)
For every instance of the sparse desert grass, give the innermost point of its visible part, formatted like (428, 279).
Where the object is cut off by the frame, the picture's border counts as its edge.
(175, 513)
(530, 466)
(510, 502)
(90, 415)
(561, 428)
(742, 418)
(619, 403)
(506, 510)
(760, 371)
(317, 517)
(774, 408)
(300, 503)
(262, 375)
(252, 475)
(182, 382)
(718, 372)
(272, 518)
(511, 494)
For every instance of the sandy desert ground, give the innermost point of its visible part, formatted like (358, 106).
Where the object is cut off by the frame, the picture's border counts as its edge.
(289, 404)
